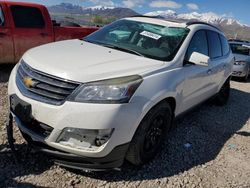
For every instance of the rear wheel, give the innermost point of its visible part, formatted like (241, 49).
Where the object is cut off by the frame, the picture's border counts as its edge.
(247, 74)
(150, 134)
(223, 95)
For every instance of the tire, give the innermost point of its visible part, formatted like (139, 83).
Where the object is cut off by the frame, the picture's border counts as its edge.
(223, 95)
(247, 74)
(150, 134)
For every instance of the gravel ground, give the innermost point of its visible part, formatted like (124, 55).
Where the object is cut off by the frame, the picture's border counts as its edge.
(209, 148)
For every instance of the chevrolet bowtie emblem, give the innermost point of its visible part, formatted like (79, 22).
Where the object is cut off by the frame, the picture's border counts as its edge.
(29, 82)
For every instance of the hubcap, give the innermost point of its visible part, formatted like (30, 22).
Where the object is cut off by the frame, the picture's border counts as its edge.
(154, 134)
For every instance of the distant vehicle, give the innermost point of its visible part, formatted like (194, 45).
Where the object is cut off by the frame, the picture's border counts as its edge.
(113, 95)
(27, 25)
(241, 51)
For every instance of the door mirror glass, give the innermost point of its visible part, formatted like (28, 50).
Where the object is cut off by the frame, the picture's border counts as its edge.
(199, 59)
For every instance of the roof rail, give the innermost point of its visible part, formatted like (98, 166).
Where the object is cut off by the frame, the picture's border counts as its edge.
(200, 22)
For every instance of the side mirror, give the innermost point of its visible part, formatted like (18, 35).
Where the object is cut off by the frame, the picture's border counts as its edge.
(199, 59)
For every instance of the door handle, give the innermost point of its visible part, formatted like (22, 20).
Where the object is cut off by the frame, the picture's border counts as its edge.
(209, 71)
(224, 66)
(44, 34)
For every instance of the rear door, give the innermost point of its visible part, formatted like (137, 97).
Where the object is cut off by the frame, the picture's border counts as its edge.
(6, 40)
(30, 28)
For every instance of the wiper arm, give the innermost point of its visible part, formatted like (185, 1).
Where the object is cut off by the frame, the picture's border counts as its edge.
(114, 47)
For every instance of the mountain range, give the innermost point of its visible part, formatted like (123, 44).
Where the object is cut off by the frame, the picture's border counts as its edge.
(116, 12)
(84, 15)
(231, 27)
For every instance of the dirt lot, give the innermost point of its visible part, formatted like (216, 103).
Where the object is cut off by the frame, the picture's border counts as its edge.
(209, 148)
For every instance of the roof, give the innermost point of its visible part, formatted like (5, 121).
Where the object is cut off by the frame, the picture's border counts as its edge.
(176, 22)
(156, 20)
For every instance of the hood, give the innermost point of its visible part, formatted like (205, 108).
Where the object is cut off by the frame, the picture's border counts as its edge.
(81, 61)
(240, 57)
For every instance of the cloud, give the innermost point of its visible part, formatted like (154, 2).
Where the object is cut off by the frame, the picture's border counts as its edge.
(192, 6)
(132, 3)
(103, 2)
(165, 4)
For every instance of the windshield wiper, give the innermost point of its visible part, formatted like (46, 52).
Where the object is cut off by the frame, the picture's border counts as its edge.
(122, 49)
(114, 47)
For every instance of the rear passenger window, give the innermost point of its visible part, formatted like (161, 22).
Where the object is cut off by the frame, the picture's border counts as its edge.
(214, 45)
(27, 17)
(198, 44)
(1, 17)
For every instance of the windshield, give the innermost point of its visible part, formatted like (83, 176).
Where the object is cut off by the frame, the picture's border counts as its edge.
(240, 49)
(139, 38)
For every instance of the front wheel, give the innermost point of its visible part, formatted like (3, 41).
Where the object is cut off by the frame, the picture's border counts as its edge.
(150, 134)
(223, 95)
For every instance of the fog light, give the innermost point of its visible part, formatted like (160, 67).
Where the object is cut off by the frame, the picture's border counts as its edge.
(84, 138)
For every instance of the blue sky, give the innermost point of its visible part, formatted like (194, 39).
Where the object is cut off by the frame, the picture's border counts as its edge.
(238, 9)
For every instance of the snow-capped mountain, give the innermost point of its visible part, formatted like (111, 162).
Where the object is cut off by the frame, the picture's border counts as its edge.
(208, 17)
(231, 27)
(74, 13)
(103, 11)
(98, 7)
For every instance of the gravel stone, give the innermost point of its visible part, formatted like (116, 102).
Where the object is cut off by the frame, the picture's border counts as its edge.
(218, 156)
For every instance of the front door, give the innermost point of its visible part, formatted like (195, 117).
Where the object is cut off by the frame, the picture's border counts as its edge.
(197, 83)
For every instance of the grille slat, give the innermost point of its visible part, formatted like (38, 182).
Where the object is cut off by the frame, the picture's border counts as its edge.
(26, 71)
(42, 87)
(53, 89)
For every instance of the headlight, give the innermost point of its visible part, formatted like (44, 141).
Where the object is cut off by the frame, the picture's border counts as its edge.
(240, 63)
(86, 139)
(117, 90)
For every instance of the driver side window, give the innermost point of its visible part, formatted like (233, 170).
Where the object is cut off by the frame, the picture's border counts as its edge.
(198, 44)
(1, 17)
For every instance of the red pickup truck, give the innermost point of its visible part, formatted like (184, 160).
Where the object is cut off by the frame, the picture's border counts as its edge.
(26, 25)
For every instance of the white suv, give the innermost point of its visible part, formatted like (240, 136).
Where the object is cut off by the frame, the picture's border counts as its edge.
(113, 95)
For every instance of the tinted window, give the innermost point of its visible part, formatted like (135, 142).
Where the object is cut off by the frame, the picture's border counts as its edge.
(1, 17)
(150, 40)
(198, 44)
(214, 44)
(240, 49)
(225, 45)
(27, 17)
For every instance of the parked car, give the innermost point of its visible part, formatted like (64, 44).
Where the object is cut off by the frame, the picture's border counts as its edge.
(91, 103)
(26, 25)
(241, 51)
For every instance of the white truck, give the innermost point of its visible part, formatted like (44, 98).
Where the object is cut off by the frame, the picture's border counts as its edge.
(113, 95)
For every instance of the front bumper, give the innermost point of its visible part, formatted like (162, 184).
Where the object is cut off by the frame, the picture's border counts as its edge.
(123, 118)
(113, 160)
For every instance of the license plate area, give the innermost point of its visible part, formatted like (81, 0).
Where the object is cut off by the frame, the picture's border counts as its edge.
(20, 108)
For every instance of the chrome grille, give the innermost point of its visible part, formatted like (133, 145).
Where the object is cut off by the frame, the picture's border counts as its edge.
(43, 87)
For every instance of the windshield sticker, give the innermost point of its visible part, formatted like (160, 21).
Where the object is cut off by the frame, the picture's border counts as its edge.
(150, 35)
